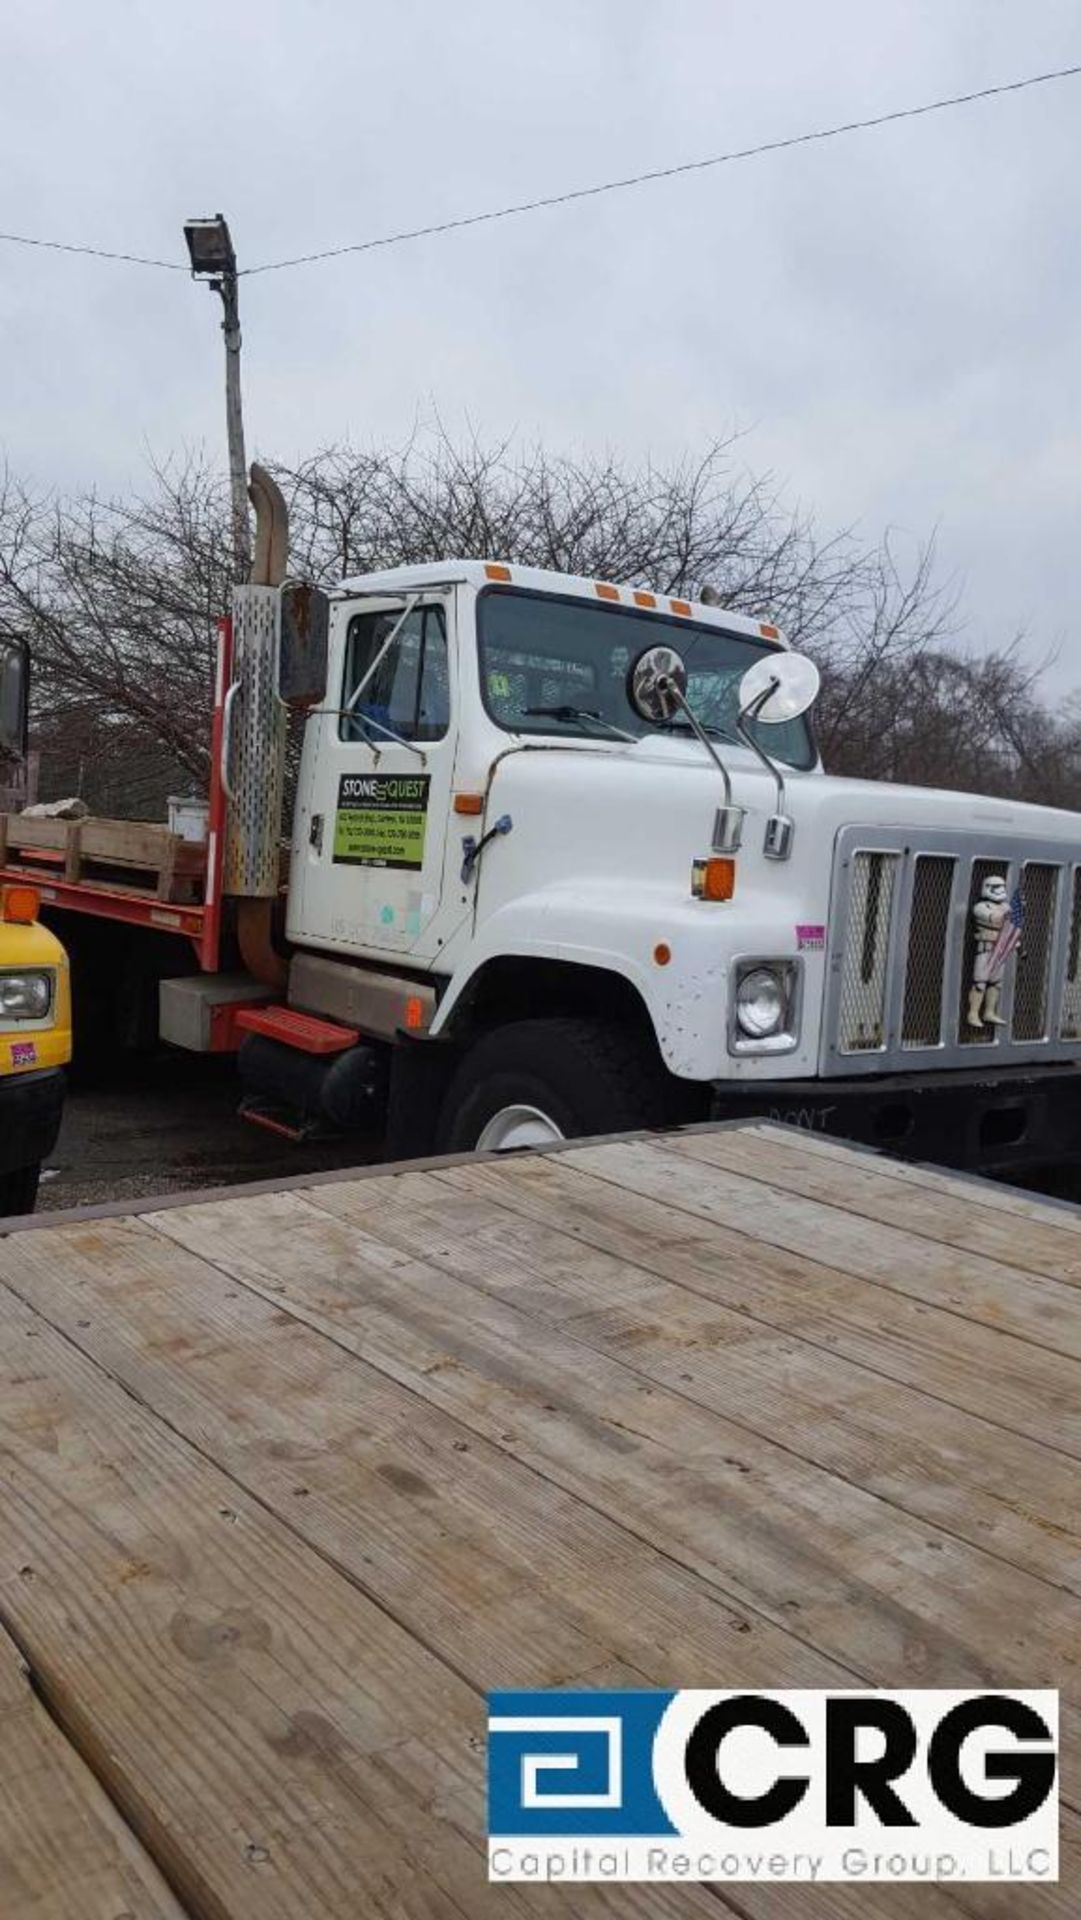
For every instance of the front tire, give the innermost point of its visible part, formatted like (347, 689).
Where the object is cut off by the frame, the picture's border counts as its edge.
(535, 1082)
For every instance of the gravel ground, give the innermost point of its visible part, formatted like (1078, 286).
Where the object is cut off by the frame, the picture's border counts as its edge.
(171, 1125)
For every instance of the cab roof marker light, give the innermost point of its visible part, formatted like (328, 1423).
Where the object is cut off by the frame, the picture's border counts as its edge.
(605, 592)
(767, 631)
(495, 572)
(19, 905)
(645, 599)
(682, 607)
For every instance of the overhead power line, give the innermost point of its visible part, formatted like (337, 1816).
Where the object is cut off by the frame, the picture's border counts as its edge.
(578, 193)
(98, 253)
(669, 173)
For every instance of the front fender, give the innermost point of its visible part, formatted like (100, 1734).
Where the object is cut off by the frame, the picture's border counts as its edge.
(626, 930)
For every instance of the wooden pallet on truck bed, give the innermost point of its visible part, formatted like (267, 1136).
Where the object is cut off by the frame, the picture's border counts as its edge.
(139, 856)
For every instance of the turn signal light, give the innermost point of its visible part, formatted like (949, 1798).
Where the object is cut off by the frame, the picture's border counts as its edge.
(469, 803)
(20, 904)
(713, 879)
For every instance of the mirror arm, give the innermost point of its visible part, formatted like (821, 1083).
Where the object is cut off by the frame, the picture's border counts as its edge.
(410, 602)
(700, 732)
(780, 830)
(751, 712)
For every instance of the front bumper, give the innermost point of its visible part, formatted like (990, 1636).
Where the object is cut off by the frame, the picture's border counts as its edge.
(31, 1106)
(1004, 1122)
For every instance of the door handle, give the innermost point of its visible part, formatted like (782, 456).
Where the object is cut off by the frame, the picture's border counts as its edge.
(472, 848)
(315, 832)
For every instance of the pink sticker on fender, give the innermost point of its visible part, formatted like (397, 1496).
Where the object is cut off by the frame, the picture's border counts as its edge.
(23, 1053)
(810, 939)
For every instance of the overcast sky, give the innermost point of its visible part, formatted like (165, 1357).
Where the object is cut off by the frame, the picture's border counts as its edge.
(892, 317)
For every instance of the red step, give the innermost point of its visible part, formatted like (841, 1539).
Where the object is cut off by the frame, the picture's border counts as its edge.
(301, 1030)
(262, 1117)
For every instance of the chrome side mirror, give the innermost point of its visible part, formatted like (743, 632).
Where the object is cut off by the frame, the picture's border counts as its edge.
(777, 688)
(657, 685)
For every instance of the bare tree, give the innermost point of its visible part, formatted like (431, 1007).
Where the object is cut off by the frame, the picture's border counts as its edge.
(119, 600)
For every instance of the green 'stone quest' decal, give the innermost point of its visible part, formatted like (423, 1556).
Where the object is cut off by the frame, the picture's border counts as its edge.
(381, 820)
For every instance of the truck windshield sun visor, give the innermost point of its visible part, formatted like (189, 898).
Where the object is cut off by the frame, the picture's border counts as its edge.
(544, 657)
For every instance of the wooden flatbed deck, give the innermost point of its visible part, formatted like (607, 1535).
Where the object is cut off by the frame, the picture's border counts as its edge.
(290, 1478)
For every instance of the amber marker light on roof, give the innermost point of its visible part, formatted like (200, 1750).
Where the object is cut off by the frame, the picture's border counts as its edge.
(768, 632)
(645, 599)
(497, 573)
(681, 606)
(604, 592)
(20, 904)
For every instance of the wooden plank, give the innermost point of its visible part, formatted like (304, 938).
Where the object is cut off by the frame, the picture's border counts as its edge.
(936, 1322)
(991, 1195)
(73, 850)
(27, 835)
(858, 1579)
(1040, 1246)
(517, 1583)
(426, 1512)
(280, 1746)
(865, 1343)
(104, 843)
(65, 1853)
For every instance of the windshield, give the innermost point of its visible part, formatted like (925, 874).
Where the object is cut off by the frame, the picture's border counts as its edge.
(558, 666)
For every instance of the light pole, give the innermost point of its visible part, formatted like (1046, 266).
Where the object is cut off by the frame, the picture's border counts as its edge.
(212, 259)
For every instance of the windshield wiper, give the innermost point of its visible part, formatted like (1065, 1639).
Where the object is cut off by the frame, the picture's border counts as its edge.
(684, 726)
(568, 715)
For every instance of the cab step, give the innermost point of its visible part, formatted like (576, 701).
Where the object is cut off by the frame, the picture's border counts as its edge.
(277, 1120)
(291, 1028)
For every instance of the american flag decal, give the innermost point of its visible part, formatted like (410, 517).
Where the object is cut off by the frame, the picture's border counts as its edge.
(1009, 937)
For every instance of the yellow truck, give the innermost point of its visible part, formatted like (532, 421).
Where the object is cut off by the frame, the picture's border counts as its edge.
(35, 993)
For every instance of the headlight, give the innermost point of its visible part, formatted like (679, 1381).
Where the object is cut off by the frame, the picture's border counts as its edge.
(25, 996)
(761, 1003)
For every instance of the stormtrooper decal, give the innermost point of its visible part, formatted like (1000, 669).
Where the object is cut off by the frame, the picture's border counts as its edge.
(996, 926)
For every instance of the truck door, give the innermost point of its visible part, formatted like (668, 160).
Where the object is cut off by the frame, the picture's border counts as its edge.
(371, 824)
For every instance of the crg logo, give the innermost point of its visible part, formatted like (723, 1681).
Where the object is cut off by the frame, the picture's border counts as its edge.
(820, 1785)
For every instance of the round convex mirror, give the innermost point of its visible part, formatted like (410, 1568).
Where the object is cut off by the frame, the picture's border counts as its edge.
(657, 684)
(779, 687)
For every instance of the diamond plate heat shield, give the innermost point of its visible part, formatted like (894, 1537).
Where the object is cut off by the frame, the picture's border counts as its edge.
(255, 749)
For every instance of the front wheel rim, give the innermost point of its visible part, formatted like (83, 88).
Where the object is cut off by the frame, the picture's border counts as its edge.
(513, 1128)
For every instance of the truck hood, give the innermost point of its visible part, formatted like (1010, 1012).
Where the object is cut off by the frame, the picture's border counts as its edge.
(614, 788)
(596, 868)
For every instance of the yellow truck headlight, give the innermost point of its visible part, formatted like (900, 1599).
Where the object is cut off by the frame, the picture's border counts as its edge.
(27, 995)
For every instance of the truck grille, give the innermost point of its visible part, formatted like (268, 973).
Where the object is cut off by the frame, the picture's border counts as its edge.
(902, 950)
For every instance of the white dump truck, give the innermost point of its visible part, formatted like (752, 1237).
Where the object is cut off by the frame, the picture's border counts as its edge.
(563, 859)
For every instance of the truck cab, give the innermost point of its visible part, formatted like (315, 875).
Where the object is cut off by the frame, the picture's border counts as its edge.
(35, 998)
(593, 913)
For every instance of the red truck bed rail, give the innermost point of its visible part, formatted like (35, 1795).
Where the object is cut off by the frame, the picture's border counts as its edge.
(133, 871)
